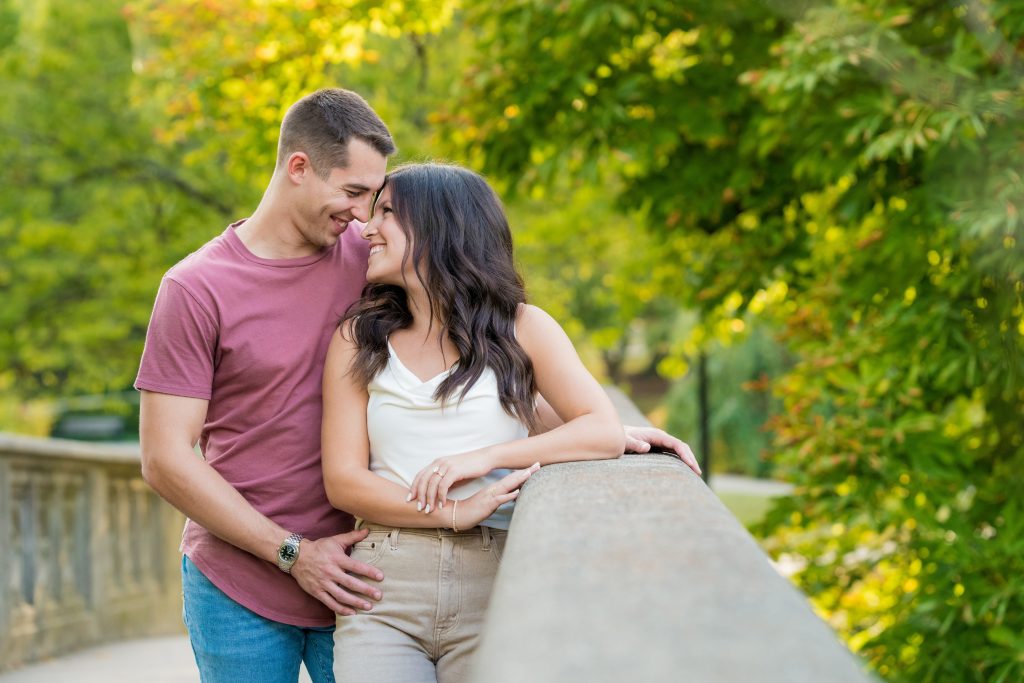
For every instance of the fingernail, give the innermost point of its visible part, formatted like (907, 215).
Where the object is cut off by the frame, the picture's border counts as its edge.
(408, 498)
(440, 505)
(419, 506)
(376, 595)
(427, 511)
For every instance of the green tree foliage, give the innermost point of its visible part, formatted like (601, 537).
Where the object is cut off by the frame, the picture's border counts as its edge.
(850, 171)
(92, 208)
(257, 58)
(134, 131)
(740, 375)
(641, 92)
(903, 416)
(599, 272)
(181, 102)
(225, 72)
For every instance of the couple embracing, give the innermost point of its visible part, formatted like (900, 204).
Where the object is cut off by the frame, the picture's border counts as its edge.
(369, 390)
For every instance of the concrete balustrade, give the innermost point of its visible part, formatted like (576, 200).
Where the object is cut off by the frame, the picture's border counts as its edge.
(621, 570)
(88, 553)
(633, 570)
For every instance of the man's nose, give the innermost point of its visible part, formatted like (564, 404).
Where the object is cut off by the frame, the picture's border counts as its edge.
(361, 210)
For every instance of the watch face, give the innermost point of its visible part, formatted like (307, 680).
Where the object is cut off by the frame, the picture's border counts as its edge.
(288, 553)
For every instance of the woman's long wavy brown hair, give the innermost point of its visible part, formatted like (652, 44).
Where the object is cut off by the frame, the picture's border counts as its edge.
(462, 253)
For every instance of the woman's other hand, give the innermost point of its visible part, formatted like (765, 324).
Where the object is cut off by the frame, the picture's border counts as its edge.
(645, 439)
(430, 485)
(482, 504)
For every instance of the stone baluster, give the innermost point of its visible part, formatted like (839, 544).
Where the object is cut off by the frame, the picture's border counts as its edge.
(89, 550)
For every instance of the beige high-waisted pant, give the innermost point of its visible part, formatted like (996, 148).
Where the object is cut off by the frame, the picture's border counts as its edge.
(427, 625)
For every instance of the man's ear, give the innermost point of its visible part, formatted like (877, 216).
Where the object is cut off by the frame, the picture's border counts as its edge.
(298, 167)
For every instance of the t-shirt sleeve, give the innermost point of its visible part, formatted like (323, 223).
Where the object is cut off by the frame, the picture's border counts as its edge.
(181, 342)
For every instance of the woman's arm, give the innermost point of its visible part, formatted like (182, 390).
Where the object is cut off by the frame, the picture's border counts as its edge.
(638, 439)
(350, 484)
(591, 429)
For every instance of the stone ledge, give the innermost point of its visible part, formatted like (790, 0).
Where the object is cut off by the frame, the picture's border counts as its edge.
(633, 570)
(15, 444)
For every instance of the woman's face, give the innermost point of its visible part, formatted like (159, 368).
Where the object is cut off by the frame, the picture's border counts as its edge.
(388, 245)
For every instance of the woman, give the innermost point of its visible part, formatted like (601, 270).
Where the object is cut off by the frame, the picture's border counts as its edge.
(429, 405)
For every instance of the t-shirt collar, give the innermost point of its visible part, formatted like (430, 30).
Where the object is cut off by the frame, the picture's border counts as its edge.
(236, 243)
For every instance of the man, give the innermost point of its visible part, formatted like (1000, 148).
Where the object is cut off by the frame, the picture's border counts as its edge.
(233, 360)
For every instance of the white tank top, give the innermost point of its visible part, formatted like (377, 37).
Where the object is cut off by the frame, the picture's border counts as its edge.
(408, 429)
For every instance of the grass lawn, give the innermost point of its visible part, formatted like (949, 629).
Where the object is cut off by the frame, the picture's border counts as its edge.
(749, 508)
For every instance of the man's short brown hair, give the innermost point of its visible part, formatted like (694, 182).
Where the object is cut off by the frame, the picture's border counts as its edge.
(321, 125)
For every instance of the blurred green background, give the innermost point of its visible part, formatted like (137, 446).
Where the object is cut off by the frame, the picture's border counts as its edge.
(823, 199)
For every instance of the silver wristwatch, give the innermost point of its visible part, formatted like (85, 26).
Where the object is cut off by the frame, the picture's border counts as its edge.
(288, 553)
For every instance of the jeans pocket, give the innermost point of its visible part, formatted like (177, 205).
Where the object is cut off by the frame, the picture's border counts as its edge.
(497, 547)
(370, 549)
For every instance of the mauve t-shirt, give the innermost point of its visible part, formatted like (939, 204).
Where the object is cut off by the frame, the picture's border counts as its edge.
(250, 335)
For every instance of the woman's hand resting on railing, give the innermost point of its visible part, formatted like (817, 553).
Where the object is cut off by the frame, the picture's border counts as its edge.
(647, 439)
(482, 504)
(430, 486)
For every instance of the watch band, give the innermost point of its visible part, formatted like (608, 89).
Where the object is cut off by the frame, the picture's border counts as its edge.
(288, 552)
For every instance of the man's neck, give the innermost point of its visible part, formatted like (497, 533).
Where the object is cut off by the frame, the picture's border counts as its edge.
(271, 234)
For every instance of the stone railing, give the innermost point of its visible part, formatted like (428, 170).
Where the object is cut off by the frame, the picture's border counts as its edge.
(633, 570)
(621, 570)
(89, 552)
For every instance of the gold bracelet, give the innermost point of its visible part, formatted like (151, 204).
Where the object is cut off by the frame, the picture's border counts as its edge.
(455, 506)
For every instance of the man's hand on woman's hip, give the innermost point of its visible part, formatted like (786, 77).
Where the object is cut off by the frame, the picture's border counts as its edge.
(325, 571)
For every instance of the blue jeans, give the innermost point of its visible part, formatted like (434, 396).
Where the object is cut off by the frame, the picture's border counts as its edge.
(233, 643)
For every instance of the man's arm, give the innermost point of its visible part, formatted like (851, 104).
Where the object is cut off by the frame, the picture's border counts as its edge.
(638, 439)
(169, 429)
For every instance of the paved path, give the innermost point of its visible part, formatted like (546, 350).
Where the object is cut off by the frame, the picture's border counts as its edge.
(148, 660)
